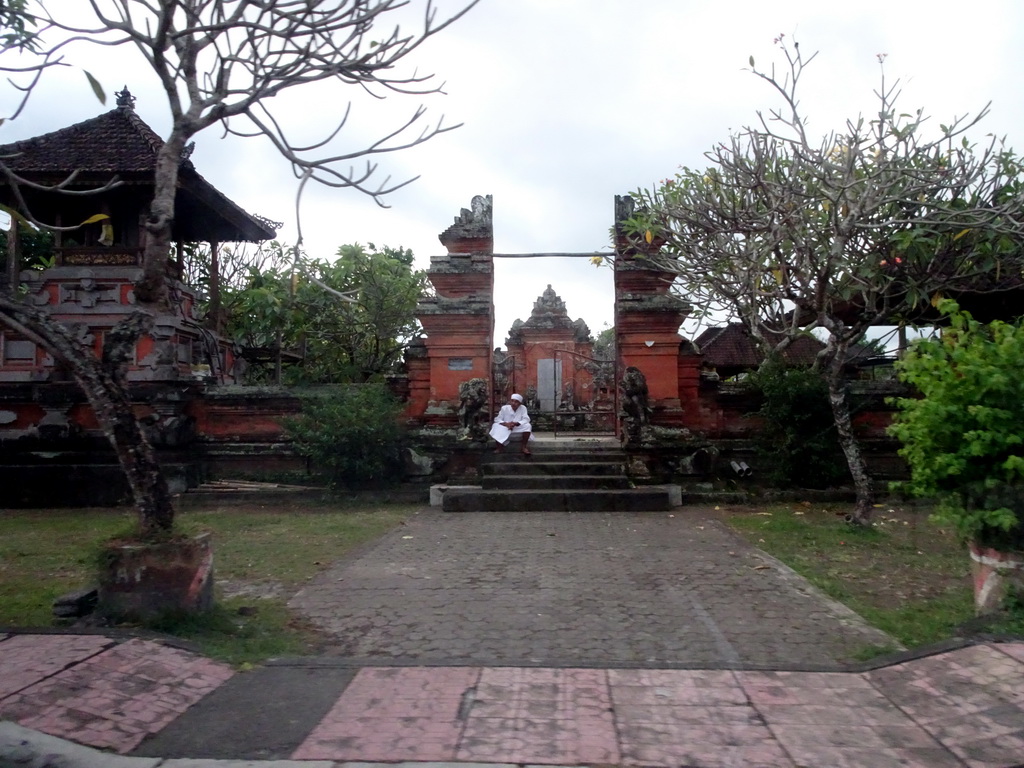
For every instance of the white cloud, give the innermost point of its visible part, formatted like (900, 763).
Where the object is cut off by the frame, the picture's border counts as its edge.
(566, 103)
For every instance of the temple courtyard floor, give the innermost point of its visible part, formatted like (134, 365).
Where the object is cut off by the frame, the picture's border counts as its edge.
(653, 639)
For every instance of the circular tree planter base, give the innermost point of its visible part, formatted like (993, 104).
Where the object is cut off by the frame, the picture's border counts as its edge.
(140, 580)
(995, 574)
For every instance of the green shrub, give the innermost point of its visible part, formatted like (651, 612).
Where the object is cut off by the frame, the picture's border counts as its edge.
(353, 435)
(962, 438)
(36, 248)
(796, 442)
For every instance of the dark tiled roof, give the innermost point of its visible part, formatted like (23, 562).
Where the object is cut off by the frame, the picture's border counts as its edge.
(117, 141)
(731, 346)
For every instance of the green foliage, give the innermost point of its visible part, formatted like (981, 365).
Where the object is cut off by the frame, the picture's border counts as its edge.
(604, 344)
(36, 246)
(796, 442)
(16, 26)
(962, 437)
(353, 434)
(350, 319)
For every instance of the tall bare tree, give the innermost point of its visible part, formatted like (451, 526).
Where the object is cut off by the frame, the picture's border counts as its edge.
(863, 227)
(218, 62)
(221, 62)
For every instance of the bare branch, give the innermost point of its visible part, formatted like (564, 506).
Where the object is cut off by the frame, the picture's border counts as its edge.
(222, 61)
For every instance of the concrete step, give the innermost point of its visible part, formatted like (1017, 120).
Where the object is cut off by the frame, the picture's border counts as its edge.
(541, 455)
(554, 482)
(654, 498)
(535, 466)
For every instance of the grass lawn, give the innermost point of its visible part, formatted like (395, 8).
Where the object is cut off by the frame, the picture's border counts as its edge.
(905, 574)
(262, 555)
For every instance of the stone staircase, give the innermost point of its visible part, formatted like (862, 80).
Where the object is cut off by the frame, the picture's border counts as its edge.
(563, 474)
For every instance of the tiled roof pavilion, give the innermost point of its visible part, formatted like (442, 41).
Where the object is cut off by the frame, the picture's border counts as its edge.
(731, 350)
(120, 143)
(731, 346)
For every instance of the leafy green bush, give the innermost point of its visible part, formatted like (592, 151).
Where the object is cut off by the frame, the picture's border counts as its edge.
(796, 442)
(36, 248)
(353, 434)
(962, 437)
(348, 319)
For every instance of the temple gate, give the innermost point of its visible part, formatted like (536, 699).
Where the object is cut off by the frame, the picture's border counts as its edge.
(550, 357)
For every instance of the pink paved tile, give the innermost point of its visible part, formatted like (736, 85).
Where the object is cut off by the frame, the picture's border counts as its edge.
(27, 659)
(1015, 650)
(411, 682)
(674, 687)
(114, 699)
(528, 740)
(994, 752)
(382, 740)
(812, 714)
(689, 717)
(393, 714)
(812, 688)
(469, 714)
(833, 757)
(958, 684)
(544, 693)
(851, 735)
(701, 746)
(961, 728)
(560, 716)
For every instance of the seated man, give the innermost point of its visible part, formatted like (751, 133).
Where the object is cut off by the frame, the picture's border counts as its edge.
(512, 419)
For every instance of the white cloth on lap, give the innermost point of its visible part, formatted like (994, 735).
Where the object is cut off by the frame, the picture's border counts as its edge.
(502, 434)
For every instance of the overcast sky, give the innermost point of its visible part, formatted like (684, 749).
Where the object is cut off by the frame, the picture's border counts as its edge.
(567, 103)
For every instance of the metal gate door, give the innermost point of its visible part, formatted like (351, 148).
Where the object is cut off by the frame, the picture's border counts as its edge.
(549, 384)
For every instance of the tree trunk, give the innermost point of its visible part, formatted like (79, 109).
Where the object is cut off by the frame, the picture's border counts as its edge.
(13, 272)
(104, 388)
(838, 397)
(152, 285)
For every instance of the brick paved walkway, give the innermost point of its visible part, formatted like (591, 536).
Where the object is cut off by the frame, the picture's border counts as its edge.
(579, 589)
(963, 708)
(960, 709)
(97, 690)
(559, 639)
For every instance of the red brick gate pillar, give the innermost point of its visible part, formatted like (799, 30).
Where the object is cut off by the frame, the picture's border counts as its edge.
(647, 320)
(458, 320)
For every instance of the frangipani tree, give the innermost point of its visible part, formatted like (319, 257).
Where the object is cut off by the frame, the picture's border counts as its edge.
(865, 226)
(219, 62)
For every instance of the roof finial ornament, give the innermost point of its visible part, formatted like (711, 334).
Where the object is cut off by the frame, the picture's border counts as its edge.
(125, 100)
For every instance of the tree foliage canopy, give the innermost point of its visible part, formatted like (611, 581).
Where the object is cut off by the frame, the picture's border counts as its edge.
(796, 437)
(352, 317)
(353, 434)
